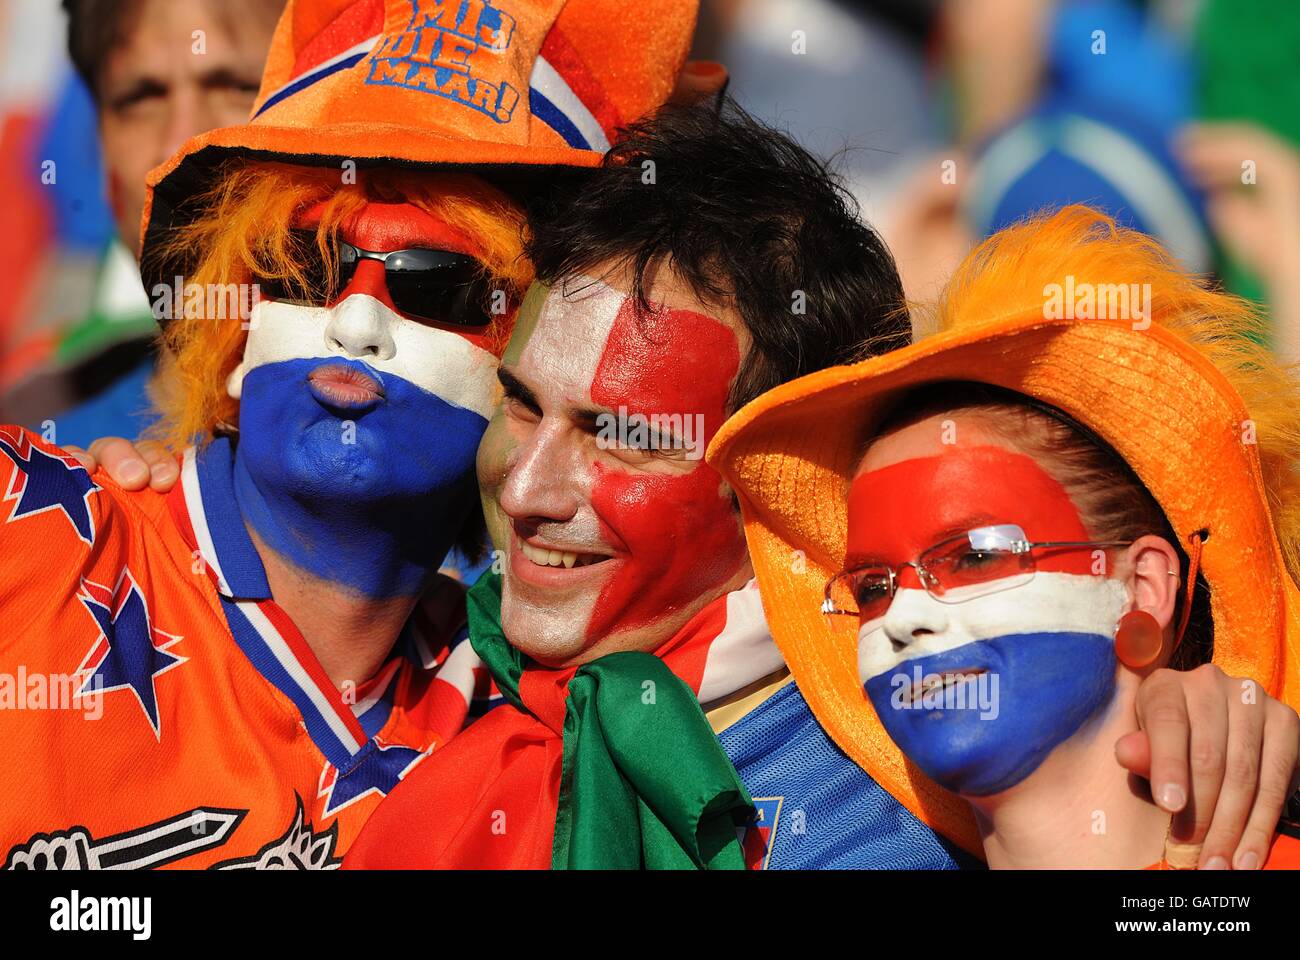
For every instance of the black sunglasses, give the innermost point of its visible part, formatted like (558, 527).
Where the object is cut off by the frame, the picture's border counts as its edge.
(437, 286)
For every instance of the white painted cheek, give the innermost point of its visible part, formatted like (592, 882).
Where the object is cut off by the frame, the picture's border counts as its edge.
(915, 625)
(1049, 603)
(362, 328)
(276, 331)
(445, 364)
(282, 331)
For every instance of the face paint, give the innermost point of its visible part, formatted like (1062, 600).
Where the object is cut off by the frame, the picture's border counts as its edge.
(680, 531)
(1039, 656)
(639, 539)
(383, 227)
(358, 427)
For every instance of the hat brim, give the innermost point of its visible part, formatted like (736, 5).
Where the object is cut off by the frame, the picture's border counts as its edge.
(1159, 403)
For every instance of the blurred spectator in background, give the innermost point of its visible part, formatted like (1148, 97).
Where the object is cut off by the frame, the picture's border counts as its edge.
(54, 220)
(843, 77)
(1246, 152)
(157, 72)
(1094, 121)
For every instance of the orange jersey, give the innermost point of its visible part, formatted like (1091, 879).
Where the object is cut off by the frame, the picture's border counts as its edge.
(160, 709)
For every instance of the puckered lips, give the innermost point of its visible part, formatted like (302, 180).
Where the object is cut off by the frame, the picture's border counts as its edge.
(543, 562)
(343, 386)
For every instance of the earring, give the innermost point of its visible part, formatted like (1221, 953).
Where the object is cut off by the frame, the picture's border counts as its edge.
(1138, 639)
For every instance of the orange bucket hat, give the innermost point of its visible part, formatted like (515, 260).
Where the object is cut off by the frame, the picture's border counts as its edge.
(1200, 411)
(519, 82)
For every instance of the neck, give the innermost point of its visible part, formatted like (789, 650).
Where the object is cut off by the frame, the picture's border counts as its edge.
(1079, 810)
(350, 634)
(347, 573)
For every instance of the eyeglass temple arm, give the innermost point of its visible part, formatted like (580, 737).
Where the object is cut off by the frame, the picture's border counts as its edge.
(1020, 546)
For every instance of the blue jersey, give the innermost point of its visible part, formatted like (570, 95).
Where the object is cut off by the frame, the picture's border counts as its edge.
(816, 808)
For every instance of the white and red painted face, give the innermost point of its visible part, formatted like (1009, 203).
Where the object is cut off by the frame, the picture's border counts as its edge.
(360, 402)
(1034, 661)
(610, 545)
(363, 324)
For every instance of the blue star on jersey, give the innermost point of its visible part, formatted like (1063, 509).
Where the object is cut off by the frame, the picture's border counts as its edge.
(380, 769)
(44, 482)
(130, 652)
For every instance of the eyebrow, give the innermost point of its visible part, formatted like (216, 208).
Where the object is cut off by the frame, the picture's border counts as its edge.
(137, 89)
(229, 77)
(217, 78)
(516, 389)
(587, 418)
(952, 532)
(961, 529)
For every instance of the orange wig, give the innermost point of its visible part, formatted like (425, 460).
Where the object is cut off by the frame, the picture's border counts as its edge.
(245, 231)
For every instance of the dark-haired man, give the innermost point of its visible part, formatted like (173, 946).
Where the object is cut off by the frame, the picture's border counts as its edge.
(709, 260)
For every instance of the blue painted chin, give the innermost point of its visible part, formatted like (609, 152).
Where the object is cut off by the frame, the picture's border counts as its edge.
(371, 497)
(1037, 691)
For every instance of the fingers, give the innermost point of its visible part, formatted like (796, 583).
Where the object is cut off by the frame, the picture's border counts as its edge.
(1162, 713)
(1277, 770)
(163, 469)
(1133, 752)
(1212, 152)
(135, 466)
(1207, 712)
(119, 458)
(83, 458)
(1240, 778)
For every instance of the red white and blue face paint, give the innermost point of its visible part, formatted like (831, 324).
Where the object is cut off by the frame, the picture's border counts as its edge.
(358, 426)
(603, 542)
(979, 691)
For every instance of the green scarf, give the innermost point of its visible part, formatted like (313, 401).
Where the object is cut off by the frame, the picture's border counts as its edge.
(645, 783)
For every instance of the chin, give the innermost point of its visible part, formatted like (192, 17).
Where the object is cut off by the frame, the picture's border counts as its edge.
(544, 640)
(973, 757)
(551, 635)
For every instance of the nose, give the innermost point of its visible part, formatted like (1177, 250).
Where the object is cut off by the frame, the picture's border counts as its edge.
(547, 477)
(913, 615)
(362, 328)
(183, 120)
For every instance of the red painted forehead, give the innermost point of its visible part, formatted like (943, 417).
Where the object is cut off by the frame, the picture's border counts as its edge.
(383, 227)
(667, 361)
(898, 511)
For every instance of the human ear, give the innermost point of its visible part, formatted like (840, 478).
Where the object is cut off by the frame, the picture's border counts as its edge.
(1144, 634)
(1154, 578)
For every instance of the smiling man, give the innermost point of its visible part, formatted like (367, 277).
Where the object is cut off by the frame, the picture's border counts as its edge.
(246, 666)
(591, 571)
